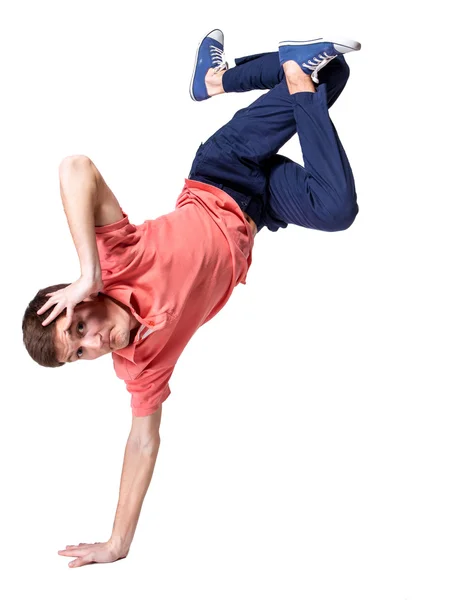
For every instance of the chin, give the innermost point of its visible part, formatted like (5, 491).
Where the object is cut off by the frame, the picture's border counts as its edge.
(120, 341)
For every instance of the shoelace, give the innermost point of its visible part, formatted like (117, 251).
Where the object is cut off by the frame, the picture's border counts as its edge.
(218, 58)
(318, 64)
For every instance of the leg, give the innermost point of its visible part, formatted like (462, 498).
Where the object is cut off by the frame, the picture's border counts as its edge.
(237, 157)
(321, 195)
(264, 72)
(255, 72)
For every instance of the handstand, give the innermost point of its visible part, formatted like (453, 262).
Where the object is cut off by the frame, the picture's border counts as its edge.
(145, 289)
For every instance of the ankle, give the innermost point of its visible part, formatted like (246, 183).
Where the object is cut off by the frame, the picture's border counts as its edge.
(213, 82)
(297, 79)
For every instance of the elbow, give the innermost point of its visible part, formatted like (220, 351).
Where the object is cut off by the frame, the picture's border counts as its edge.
(149, 446)
(145, 431)
(146, 445)
(73, 161)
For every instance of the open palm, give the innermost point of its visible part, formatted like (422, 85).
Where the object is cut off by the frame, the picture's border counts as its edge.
(92, 553)
(68, 297)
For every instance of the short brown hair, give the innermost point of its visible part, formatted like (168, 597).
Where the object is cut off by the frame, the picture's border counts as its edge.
(39, 340)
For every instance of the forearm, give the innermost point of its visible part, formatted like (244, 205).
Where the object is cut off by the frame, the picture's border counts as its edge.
(78, 188)
(137, 472)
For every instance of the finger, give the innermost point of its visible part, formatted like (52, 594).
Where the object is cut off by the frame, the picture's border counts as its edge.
(55, 312)
(69, 317)
(47, 305)
(82, 546)
(73, 551)
(84, 560)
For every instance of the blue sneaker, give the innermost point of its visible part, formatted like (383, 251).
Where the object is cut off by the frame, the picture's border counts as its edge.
(210, 55)
(313, 55)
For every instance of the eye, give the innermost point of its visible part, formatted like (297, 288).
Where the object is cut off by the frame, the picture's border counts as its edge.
(80, 327)
(79, 353)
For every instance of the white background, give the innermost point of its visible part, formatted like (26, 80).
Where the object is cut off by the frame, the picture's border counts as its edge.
(312, 447)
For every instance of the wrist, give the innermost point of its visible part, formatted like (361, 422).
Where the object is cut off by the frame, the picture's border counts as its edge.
(118, 544)
(92, 277)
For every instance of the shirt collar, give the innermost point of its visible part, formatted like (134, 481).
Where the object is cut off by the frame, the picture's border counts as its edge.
(152, 323)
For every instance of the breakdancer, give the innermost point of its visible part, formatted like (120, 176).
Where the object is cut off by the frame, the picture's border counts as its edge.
(144, 290)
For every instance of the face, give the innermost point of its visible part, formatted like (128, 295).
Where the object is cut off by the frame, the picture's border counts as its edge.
(98, 327)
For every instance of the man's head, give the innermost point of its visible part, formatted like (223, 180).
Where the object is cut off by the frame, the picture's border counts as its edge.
(99, 326)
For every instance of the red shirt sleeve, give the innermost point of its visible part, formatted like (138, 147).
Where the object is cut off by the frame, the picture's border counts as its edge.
(149, 390)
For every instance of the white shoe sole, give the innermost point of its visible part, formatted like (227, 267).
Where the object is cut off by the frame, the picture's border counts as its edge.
(195, 63)
(336, 41)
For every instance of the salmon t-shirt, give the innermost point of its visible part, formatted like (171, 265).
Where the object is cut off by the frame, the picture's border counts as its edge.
(174, 273)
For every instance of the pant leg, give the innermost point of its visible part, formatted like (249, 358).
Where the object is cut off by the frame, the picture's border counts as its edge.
(264, 72)
(255, 72)
(216, 162)
(321, 195)
(237, 157)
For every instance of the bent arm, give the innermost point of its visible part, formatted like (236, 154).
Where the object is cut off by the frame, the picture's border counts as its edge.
(139, 463)
(87, 202)
(78, 188)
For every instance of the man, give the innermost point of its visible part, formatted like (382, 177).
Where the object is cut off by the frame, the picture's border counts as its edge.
(144, 290)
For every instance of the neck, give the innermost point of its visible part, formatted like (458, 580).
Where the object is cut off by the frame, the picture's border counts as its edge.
(133, 333)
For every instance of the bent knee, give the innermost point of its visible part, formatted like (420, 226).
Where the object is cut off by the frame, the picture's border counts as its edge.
(345, 219)
(342, 215)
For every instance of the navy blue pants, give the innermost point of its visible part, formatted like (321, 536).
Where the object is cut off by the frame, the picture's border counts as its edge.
(241, 158)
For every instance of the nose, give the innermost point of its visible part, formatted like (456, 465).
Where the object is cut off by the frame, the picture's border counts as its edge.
(95, 342)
